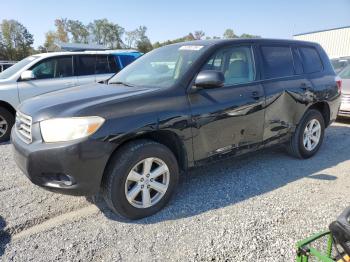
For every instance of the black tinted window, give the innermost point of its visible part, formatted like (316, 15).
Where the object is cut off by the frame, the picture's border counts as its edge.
(56, 67)
(311, 60)
(114, 67)
(102, 65)
(105, 65)
(85, 65)
(277, 61)
(298, 66)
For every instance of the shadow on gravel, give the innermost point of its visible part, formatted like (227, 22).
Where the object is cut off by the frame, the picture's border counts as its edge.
(4, 236)
(344, 120)
(225, 183)
(323, 177)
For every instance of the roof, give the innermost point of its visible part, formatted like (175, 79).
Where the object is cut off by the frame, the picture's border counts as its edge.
(80, 47)
(242, 40)
(325, 30)
(116, 51)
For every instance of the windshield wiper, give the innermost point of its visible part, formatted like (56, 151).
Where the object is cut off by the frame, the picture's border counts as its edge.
(121, 83)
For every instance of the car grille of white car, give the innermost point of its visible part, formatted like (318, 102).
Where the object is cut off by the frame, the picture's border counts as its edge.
(24, 127)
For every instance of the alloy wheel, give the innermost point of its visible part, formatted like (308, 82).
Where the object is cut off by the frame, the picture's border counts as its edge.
(147, 182)
(312, 134)
(3, 126)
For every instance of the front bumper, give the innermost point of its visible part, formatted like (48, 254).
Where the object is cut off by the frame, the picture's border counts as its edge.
(83, 162)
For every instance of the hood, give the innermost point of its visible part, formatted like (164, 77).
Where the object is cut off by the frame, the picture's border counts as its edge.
(69, 102)
(5, 81)
(346, 86)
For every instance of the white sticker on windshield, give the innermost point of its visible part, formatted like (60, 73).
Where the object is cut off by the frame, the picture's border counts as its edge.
(191, 47)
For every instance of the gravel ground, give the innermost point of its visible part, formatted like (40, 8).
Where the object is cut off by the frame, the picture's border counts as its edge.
(252, 208)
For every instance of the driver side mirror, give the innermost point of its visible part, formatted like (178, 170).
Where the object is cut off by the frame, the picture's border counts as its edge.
(209, 79)
(27, 75)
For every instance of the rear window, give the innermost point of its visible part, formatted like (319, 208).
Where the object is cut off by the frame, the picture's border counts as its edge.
(277, 61)
(85, 65)
(311, 60)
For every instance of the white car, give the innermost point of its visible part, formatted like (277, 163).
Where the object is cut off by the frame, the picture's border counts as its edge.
(344, 110)
(48, 72)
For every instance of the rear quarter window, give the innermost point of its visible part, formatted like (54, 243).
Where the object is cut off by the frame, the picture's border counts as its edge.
(277, 61)
(126, 59)
(311, 60)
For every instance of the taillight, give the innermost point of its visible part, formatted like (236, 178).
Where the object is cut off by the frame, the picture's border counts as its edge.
(339, 83)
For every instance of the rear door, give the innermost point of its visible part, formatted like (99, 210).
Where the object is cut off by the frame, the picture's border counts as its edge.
(106, 67)
(230, 117)
(85, 68)
(51, 74)
(287, 89)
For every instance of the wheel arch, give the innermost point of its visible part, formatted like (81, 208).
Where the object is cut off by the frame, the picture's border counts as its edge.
(324, 109)
(166, 138)
(8, 106)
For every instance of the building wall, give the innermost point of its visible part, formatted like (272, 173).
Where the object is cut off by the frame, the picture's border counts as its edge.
(335, 42)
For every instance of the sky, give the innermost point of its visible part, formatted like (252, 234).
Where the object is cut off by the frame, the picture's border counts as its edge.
(176, 18)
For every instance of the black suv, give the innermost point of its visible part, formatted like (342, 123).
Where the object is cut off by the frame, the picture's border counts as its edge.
(176, 107)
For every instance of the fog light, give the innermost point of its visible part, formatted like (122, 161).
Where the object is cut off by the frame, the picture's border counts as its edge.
(58, 180)
(66, 180)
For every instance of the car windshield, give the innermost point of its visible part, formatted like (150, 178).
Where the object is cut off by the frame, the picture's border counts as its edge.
(16, 67)
(161, 67)
(345, 74)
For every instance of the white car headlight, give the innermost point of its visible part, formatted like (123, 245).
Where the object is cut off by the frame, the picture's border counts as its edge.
(66, 129)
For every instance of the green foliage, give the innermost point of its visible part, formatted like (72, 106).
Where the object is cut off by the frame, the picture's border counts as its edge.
(79, 32)
(249, 36)
(106, 33)
(229, 34)
(15, 40)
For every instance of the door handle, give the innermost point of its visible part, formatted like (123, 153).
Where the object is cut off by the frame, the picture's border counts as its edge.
(305, 86)
(255, 95)
(69, 84)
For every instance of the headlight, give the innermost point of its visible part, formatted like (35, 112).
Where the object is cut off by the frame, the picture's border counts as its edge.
(66, 129)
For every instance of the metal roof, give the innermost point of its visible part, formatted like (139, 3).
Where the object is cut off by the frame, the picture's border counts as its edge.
(325, 30)
(243, 40)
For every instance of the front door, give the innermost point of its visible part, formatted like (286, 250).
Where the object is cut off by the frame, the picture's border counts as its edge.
(230, 117)
(51, 74)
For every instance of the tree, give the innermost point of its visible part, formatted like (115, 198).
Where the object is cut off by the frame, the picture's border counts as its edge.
(106, 33)
(229, 33)
(50, 40)
(189, 37)
(198, 35)
(61, 29)
(78, 30)
(249, 36)
(131, 38)
(16, 41)
(143, 43)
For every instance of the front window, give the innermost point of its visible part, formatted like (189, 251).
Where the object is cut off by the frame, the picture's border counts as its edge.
(56, 67)
(161, 67)
(16, 67)
(236, 63)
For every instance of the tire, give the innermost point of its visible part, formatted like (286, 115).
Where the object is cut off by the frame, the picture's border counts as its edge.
(116, 184)
(296, 146)
(7, 120)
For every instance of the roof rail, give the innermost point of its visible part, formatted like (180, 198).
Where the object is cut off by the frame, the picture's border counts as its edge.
(80, 47)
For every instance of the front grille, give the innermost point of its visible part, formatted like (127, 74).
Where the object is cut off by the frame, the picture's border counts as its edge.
(24, 127)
